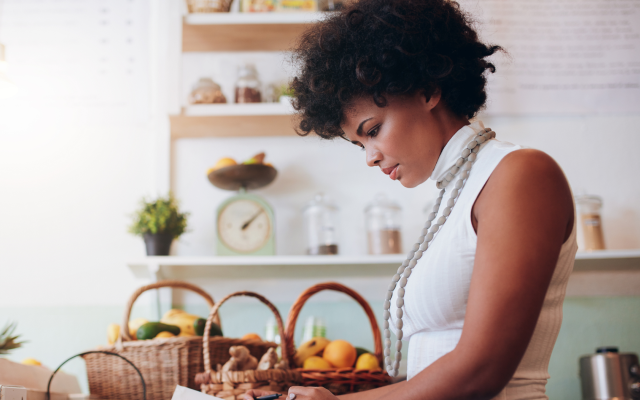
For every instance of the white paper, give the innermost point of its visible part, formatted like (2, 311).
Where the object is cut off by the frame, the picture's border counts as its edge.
(566, 56)
(183, 393)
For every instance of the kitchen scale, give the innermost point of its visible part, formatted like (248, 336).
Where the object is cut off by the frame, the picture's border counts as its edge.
(244, 222)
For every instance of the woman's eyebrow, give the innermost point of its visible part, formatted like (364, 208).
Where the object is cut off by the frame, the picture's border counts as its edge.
(359, 130)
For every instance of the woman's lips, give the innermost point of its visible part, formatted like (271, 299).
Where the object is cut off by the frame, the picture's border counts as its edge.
(394, 173)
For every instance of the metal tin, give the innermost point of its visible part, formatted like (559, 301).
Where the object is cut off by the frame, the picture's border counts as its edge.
(609, 375)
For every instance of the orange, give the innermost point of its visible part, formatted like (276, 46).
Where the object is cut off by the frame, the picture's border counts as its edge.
(315, 362)
(252, 336)
(340, 353)
(223, 162)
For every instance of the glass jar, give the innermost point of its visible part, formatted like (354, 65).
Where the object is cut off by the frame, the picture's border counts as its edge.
(383, 219)
(320, 217)
(589, 209)
(248, 85)
(206, 91)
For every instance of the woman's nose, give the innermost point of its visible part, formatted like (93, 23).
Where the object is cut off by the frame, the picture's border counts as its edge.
(373, 157)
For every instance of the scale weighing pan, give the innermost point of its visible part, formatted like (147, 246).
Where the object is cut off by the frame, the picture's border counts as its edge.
(248, 176)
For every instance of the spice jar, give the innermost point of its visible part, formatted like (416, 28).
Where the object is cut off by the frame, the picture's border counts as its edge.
(320, 217)
(589, 209)
(383, 219)
(206, 91)
(248, 85)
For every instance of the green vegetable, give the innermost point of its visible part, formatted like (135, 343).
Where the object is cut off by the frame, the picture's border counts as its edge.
(199, 324)
(151, 330)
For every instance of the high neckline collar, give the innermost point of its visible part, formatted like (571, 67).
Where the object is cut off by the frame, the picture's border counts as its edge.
(453, 149)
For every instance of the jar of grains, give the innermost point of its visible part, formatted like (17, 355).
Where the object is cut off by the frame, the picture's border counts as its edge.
(248, 85)
(320, 220)
(589, 209)
(383, 219)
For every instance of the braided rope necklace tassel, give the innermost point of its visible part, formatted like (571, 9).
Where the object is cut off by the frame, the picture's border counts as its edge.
(461, 169)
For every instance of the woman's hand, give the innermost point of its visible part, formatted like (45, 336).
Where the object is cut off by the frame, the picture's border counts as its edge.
(310, 393)
(253, 394)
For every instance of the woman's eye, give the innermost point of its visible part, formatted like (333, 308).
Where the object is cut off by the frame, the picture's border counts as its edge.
(374, 132)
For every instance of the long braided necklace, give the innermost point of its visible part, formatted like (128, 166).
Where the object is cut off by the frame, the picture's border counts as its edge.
(460, 169)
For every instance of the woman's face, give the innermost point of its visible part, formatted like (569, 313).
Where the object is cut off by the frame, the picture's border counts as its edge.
(405, 138)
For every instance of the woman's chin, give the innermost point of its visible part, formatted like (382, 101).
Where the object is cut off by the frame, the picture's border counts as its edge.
(410, 183)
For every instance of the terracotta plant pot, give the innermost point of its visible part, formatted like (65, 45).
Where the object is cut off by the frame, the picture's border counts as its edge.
(158, 244)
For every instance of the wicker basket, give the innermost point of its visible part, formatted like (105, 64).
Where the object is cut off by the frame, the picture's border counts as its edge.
(164, 363)
(208, 6)
(337, 380)
(233, 384)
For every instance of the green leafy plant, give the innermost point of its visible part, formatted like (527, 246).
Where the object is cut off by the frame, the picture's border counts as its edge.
(9, 341)
(159, 216)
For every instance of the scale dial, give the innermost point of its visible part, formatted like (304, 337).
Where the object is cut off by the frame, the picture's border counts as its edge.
(244, 226)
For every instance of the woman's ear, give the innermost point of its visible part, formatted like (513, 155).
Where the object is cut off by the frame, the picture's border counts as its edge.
(432, 100)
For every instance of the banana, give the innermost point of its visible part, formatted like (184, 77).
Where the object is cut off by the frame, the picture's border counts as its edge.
(113, 332)
(311, 348)
(182, 320)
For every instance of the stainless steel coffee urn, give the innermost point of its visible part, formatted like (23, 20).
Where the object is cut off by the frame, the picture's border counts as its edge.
(610, 375)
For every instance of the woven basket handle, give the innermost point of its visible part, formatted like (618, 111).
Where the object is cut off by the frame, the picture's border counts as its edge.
(124, 328)
(297, 306)
(214, 312)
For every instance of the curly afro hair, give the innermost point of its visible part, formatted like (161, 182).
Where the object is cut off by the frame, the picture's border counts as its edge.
(382, 48)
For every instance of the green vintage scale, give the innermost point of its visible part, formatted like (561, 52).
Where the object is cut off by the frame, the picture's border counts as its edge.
(244, 222)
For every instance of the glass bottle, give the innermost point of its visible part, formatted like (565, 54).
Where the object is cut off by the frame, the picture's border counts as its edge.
(248, 85)
(383, 220)
(589, 211)
(320, 217)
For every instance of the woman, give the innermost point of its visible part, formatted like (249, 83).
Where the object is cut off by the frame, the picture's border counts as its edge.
(483, 305)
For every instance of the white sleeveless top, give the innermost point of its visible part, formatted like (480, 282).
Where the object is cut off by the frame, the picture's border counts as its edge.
(437, 292)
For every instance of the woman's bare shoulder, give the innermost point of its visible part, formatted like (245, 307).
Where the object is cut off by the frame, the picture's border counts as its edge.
(528, 179)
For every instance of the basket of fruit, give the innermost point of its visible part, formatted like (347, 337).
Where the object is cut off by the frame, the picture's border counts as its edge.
(243, 371)
(336, 365)
(168, 352)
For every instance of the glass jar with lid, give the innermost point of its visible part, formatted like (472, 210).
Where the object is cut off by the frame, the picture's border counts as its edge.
(206, 91)
(320, 221)
(589, 210)
(248, 85)
(383, 220)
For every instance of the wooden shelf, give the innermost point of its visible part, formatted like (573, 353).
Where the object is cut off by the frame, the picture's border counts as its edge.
(329, 266)
(230, 126)
(244, 31)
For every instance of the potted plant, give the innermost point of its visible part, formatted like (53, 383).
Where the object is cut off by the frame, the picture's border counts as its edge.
(159, 222)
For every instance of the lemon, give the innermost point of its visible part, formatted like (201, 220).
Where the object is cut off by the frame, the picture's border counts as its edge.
(368, 361)
(31, 361)
(164, 335)
(315, 362)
